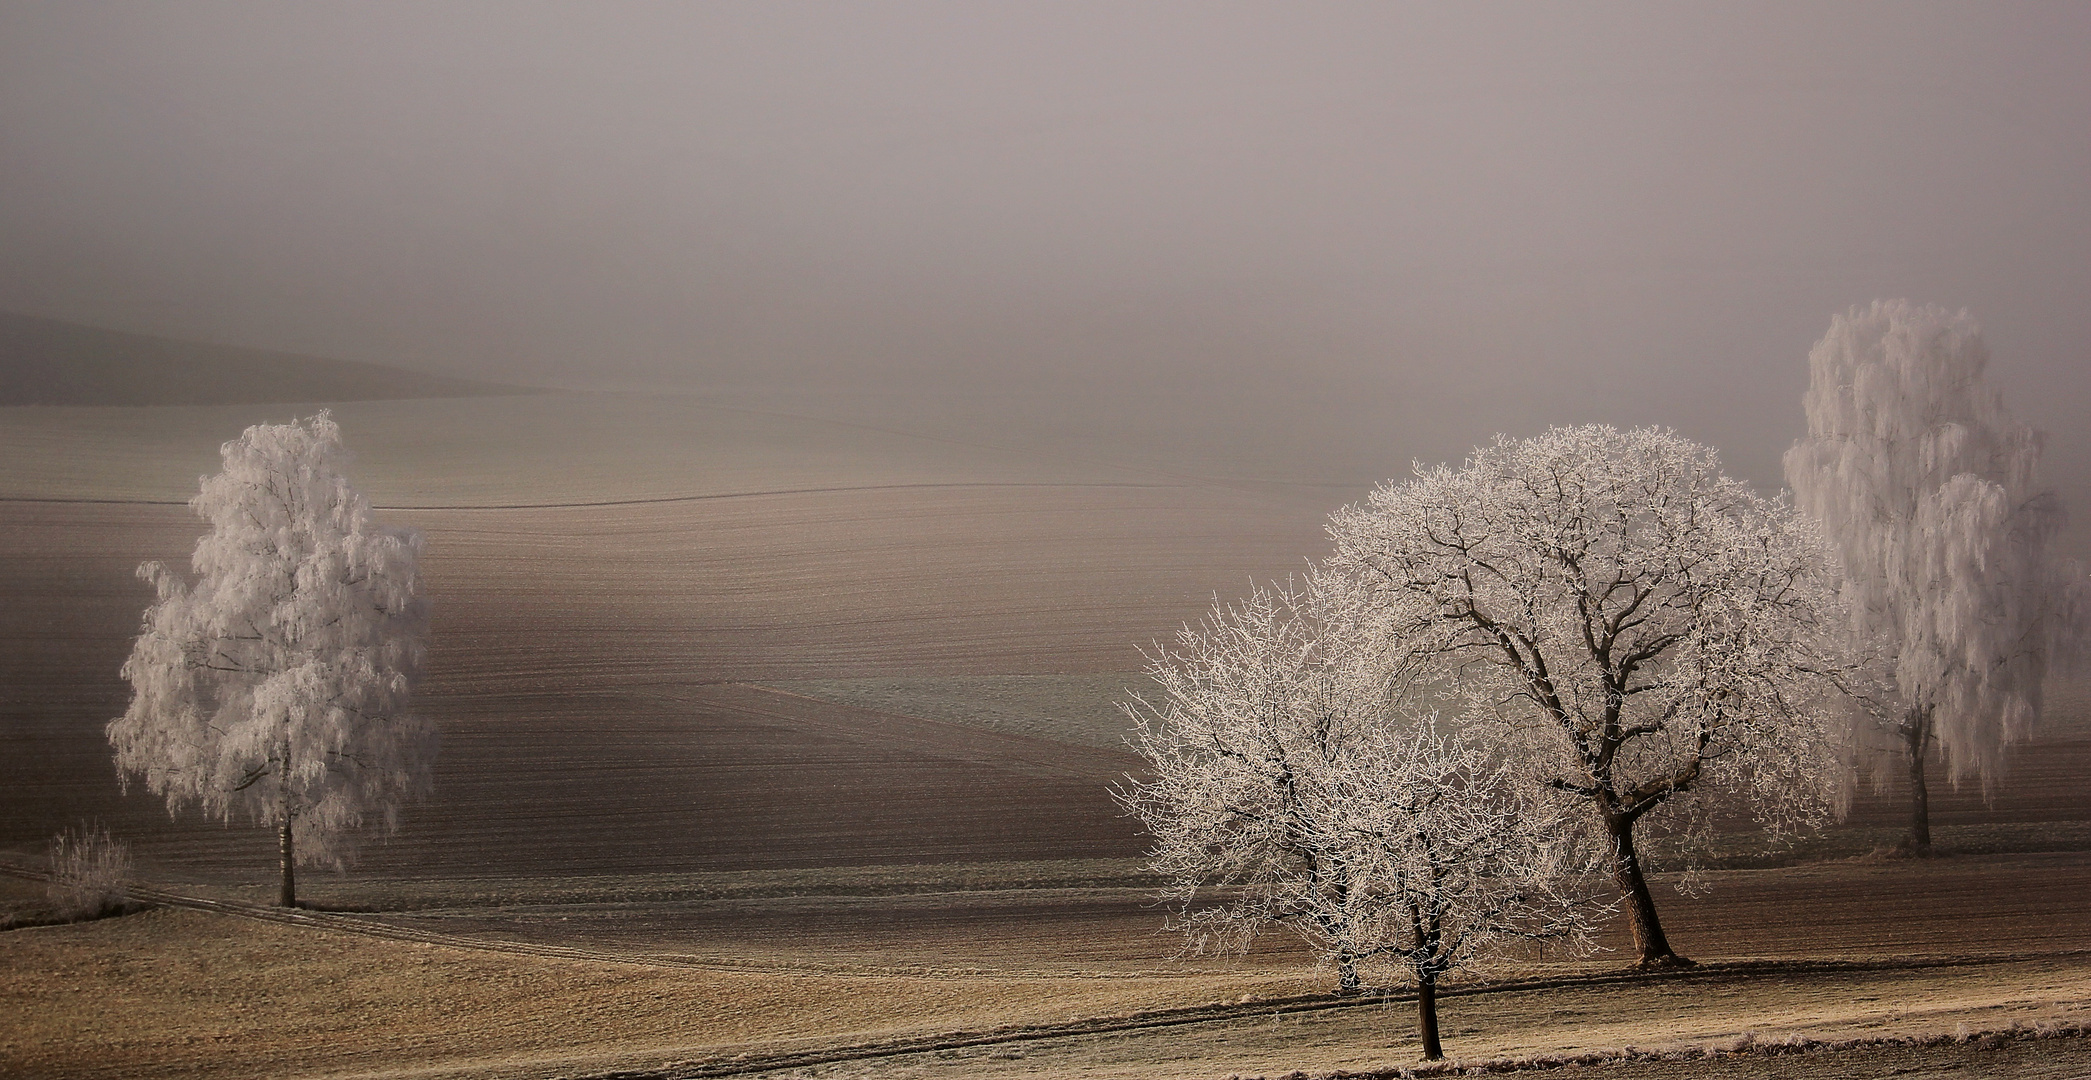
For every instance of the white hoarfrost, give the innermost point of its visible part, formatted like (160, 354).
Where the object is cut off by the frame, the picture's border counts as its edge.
(1287, 790)
(276, 686)
(1644, 631)
(1930, 491)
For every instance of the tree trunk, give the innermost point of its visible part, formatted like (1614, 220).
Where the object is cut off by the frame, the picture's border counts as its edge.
(290, 874)
(1427, 1017)
(1347, 973)
(1916, 733)
(1626, 871)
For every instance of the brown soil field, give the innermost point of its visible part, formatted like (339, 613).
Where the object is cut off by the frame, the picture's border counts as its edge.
(1844, 910)
(577, 658)
(718, 761)
(184, 993)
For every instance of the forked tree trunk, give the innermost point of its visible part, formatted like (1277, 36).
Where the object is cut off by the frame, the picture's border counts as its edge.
(1916, 731)
(290, 874)
(1427, 1017)
(1647, 928)
(1347, 973)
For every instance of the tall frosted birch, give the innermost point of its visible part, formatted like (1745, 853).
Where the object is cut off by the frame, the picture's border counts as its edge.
(1649, 634)
(1930, 491)
(277, 686)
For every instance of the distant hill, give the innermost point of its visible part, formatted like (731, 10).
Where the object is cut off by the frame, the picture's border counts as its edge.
(47, 362)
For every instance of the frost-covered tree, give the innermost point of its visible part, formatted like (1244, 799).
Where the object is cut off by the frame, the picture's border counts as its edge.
(1461, 857)
(1285, 785)
(1647, 632)
(1930, 492)
(276, 686)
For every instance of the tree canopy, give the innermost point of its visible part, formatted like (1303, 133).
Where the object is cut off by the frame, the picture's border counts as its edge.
(1284, 777)
(1930, 490)
(1651, 634)
(277, 685)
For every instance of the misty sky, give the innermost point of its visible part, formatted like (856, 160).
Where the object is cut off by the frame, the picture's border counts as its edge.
(1447, 219)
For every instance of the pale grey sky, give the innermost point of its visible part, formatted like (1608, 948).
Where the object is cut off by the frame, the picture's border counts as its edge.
(1416, 224)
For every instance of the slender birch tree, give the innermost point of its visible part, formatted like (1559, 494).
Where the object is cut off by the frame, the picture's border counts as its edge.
(1284, 785)
(277, 686)
(1650, 633)
(1930, 491)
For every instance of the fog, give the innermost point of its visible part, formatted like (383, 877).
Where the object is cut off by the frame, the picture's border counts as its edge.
(1376, 232)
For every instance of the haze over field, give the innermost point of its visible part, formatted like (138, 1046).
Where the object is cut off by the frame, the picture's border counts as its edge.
(1349, 234)
(815, 414)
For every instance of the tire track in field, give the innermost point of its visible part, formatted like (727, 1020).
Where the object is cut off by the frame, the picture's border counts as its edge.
(743, 1064)
(378, 928)
(1983, 1041)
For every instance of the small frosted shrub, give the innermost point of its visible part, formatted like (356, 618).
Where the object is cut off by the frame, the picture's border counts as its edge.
(88, 872)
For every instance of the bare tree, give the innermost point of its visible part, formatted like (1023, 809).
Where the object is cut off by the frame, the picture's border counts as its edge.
(1284, 783)
(277, 686)
(1930, 491)
(1648, 631)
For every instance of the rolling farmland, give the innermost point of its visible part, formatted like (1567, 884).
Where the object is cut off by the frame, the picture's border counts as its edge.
(825, 707)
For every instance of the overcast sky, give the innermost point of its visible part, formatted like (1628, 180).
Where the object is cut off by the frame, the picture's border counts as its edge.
(1458, 218)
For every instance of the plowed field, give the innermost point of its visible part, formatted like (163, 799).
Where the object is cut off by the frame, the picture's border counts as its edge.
(709, 731)
(578, 654)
